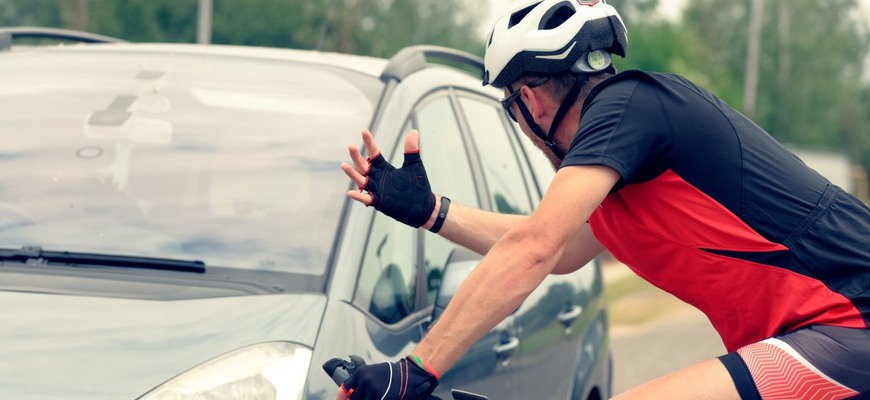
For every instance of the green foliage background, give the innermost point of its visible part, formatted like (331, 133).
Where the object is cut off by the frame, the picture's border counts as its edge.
(371, 27)
(814, 81)
(814, 53)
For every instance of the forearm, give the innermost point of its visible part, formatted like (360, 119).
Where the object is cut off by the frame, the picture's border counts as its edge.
(490, 294)
(479, 231)
(473, 228)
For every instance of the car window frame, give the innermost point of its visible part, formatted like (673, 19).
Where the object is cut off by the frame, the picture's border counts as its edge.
(519, 155)
(423, 310)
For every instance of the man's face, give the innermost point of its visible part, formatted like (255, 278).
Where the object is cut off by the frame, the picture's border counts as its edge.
(520, 120)
(509, 103)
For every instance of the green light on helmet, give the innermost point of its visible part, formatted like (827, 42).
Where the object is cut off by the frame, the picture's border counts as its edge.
(596, 60)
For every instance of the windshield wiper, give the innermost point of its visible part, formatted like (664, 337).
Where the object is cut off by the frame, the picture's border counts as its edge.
(29, 254)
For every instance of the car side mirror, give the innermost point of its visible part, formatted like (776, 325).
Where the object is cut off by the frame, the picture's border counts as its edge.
(460, 263)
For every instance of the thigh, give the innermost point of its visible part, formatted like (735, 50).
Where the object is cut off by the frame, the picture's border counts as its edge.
(708, 380)
(819, 362)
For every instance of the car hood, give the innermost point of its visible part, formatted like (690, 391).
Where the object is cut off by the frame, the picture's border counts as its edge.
(59, 346)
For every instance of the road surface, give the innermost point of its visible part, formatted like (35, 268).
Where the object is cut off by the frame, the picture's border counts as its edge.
(660, 347)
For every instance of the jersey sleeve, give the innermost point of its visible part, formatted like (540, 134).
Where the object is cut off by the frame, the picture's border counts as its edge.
(624, 127)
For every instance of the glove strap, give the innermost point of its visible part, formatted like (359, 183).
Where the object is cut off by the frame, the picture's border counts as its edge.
(416, 360)
(442, 215)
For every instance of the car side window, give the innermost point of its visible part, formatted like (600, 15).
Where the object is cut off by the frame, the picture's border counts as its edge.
(387, 284)
(448, 167)
(499, 153)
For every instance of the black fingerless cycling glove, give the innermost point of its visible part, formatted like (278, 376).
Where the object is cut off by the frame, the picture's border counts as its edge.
(405, 380)
(403, 194)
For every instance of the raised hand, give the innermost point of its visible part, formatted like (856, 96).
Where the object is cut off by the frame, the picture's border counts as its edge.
(403, 194)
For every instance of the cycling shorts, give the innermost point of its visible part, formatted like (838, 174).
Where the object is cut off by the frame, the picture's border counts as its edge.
(817, 362)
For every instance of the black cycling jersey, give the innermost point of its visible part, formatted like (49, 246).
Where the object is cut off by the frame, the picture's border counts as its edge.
(712, 209)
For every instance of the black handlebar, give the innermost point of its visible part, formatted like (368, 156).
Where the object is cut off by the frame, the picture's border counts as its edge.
(340, 370)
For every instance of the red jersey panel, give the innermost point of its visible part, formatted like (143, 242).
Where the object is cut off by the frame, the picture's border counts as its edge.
(666, 230)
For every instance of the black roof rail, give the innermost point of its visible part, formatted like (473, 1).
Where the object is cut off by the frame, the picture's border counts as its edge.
(7, 35)
(413, 58)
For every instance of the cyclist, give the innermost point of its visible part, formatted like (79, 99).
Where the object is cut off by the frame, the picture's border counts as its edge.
(684, 190)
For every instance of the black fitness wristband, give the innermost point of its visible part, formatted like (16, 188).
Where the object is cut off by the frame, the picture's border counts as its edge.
(442, 215)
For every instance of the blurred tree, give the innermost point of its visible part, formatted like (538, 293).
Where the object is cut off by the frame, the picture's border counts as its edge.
(382, 27)
(33, 12)
(145, 20)
(267, 22)
(812, 60)
(133, 20)
(716, 37)
(635, 10)
(817, 54)
(370, 27)
(654, 44)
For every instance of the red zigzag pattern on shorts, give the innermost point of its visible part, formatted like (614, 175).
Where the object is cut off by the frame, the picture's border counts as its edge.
(780, 376)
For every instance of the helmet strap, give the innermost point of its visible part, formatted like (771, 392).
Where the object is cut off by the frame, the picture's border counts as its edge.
(538, 131)
(569, 100)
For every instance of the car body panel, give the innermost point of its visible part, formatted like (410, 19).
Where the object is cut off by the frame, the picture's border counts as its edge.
(562, 312)
(56, 346)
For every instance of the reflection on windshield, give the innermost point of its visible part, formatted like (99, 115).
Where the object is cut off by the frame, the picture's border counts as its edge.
(230, 162)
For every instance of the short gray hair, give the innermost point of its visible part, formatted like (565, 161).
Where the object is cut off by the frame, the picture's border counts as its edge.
(559, 85)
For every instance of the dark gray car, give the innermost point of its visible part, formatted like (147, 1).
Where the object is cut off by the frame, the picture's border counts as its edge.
(174, 225)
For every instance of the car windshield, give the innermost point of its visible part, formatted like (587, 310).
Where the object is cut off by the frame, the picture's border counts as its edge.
(227, 160)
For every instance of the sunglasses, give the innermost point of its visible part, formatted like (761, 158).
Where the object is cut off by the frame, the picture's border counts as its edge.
(515, 94)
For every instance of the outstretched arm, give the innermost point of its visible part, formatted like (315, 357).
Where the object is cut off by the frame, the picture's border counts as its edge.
(480, 230)
(469, 227)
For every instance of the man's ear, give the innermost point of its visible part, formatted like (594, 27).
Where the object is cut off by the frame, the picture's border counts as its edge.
(534, 102)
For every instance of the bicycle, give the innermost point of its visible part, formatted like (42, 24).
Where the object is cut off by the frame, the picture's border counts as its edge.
(340, 370)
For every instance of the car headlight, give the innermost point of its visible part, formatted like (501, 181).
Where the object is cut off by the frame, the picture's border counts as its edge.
(273, 371)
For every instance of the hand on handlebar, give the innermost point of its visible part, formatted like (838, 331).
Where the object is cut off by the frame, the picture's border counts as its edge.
(403, 194)
(401, 380)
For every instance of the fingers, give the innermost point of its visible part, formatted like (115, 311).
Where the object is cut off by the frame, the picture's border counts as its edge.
(362, 197)
(361, 164)
(369, 141)
(354, 175)
(412, 142)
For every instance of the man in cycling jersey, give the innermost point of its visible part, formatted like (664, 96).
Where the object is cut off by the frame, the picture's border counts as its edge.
(684, 190)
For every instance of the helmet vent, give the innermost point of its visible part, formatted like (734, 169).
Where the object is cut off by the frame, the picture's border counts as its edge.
(521, 14)
(557, 15)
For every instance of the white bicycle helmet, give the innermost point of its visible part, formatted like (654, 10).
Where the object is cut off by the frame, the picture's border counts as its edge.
(553, 36)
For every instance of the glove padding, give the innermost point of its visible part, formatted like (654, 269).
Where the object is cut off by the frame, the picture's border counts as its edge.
(403, 194)
(402, 380)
